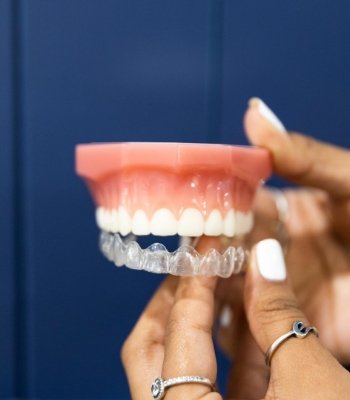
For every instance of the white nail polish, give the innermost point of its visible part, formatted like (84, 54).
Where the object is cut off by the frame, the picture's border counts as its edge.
(225, 316)
(268, 114)
(270, 260)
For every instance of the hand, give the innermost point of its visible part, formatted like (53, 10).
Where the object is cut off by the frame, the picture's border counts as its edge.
(300, 369)
(173, 338)
(318, 227)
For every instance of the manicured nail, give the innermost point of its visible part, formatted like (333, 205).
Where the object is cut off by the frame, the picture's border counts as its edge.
(270, 260)
(225, 316)
(267, 114)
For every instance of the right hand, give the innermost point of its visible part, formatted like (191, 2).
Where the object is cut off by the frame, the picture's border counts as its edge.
(318, 227)
(318, 224)
(300, 368)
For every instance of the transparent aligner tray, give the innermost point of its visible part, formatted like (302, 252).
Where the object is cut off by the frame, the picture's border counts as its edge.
(185, 261)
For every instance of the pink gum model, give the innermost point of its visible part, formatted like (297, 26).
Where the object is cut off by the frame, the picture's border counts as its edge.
(173, 188)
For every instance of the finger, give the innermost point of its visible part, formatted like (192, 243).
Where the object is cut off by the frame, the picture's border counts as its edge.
(248, 379)
(296, 157)
(267, 223)
(341, 219)
(228, 331)
(248, 376)
(143, 351)
(229, 293)
(189, 348)
(271, 309)
(310, 211)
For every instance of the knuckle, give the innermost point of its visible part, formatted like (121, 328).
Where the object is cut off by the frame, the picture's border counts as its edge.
(304, 156)
(127, 349)
(145, 345)
(190, 291)
(172, 327)
(181, 321)
(277, 309)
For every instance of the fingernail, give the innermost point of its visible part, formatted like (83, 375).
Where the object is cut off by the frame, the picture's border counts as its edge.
(225, 316)
(267, 114)
(270, 260)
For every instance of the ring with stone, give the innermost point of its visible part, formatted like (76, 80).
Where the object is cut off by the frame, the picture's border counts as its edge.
(160, 385)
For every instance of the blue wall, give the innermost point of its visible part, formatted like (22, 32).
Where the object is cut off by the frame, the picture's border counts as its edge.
(84, 70)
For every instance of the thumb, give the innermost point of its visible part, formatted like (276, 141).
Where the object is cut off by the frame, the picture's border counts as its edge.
(272, 308)
(297, 157)
(300, 368)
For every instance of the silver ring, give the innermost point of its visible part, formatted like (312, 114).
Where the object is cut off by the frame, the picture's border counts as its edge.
(160, 385)
(299, 330)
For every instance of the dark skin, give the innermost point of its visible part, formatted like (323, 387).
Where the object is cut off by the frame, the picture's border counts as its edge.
(318, 248)
(173, 336)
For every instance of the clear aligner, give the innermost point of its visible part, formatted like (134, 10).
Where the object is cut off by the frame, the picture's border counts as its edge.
(185, 261)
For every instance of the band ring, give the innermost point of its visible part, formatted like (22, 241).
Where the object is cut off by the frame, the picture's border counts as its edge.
(299, 330)
(160, 385)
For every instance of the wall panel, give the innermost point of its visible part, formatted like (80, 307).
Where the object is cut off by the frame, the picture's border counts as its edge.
(294, 55)
(95, 71)
(7, 182)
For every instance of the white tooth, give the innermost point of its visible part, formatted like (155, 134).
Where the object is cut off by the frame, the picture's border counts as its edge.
(239, 222)
(105, 219)
(249, 221)
(163, 223)
(191, 223)
(244, 222)
(213, 226)
(99, 217)
(124, 221)
(230, 223)
(140, 224)
(113, 223)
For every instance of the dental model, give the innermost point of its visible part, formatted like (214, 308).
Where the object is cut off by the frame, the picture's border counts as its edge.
(167, 189)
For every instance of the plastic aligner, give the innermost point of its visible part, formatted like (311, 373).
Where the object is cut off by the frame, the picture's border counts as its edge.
(185, 261)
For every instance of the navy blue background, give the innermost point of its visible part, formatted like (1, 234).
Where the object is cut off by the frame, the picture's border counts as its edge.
(113, 70)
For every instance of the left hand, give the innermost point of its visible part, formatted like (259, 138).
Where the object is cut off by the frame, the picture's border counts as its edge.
(172, 338)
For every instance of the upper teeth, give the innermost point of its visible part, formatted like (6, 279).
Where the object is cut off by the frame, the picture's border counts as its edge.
(164, 223)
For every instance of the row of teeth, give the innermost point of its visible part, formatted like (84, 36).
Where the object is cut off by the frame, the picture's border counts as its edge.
(163, 222)
(185, 261)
